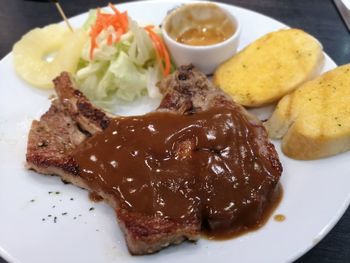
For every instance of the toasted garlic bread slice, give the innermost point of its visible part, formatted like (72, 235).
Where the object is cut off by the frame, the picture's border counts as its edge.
(314, 120)
(270, 67)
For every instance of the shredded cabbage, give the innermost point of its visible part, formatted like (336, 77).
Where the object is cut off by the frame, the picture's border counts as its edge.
(125, 70)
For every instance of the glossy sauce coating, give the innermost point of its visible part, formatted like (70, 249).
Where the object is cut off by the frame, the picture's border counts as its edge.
(203, 35)
(204, 165)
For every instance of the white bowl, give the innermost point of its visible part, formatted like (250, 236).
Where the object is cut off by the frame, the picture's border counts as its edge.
(205, 57)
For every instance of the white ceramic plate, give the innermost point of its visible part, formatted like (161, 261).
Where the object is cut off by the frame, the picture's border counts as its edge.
(316, 193)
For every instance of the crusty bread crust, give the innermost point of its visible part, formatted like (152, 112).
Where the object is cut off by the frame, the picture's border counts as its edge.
(314, 120)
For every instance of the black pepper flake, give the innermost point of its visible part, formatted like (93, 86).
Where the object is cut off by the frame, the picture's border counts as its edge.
(50, 192)
(65, 213)
(71, 199)
(32, 200)
(339, 124)
(79, 215)
(74, 217)
(55, 219)
(91, 208)
(53, 206)
(43, 219)
(60, 200)
(49, 215)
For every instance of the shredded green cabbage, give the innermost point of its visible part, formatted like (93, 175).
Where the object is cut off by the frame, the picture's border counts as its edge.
(125, 70)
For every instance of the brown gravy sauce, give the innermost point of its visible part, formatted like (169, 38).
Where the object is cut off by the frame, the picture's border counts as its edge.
(271, 206)
(95, 197)
(184, 167)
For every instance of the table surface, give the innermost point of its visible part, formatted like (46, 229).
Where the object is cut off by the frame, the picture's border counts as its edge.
(318, 17)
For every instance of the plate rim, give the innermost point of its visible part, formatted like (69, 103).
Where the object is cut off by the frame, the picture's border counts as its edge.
(340, 211)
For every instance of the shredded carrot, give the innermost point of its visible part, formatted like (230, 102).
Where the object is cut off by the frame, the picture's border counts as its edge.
(123, 17)
(167, 61)
(119, 22)
(161, 50)
(124, 20)
(120, 32)
(110, 40)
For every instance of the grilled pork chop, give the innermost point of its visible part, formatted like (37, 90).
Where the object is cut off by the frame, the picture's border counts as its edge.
(64, 135)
